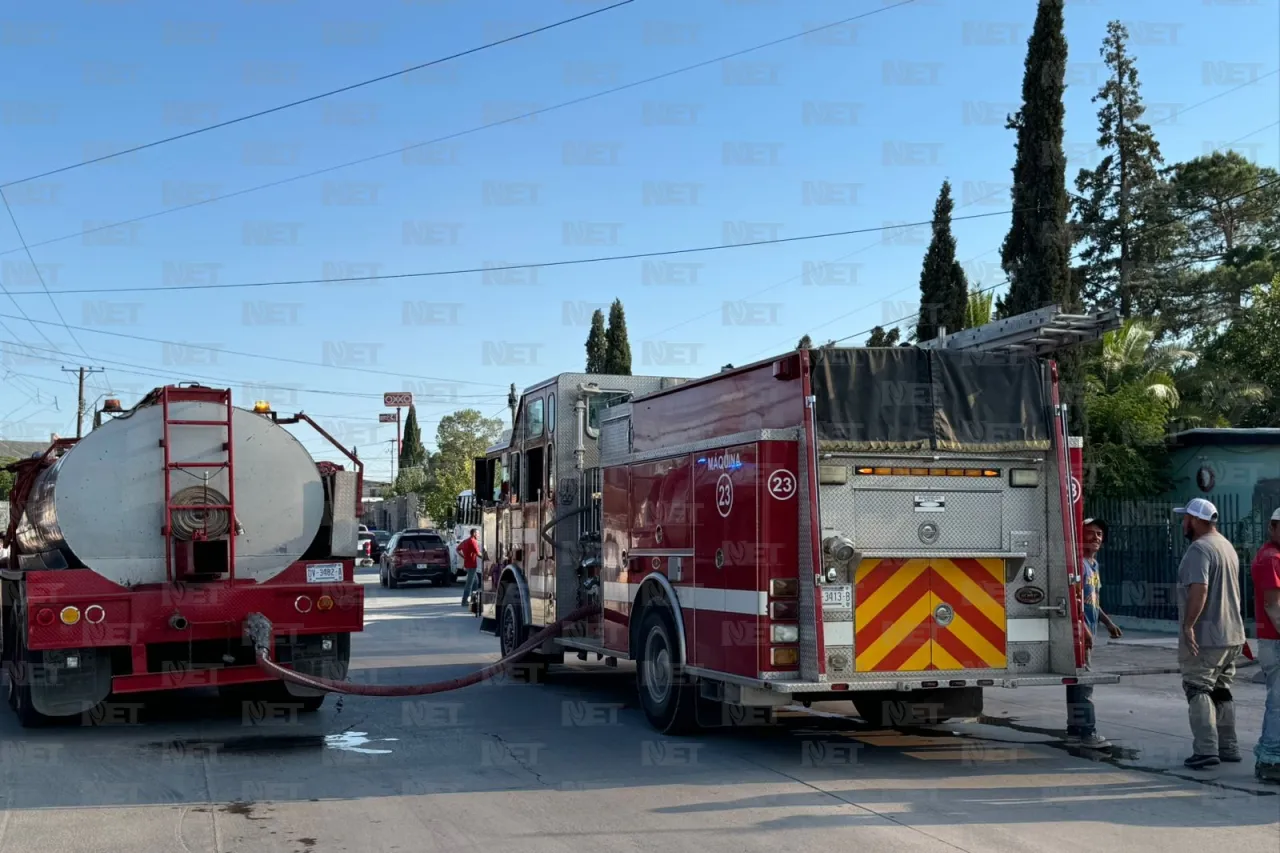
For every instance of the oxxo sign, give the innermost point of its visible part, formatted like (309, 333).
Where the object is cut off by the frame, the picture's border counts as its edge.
(397, 399)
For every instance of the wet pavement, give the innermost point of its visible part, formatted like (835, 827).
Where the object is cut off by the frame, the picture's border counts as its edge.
(571, 764)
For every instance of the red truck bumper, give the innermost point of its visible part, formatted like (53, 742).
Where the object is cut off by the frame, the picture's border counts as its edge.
(170, 637)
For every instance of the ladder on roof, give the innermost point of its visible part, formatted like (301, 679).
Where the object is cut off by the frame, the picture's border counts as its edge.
(1037, 333)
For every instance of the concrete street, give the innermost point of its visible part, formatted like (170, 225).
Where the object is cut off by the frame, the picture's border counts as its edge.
(572, 766)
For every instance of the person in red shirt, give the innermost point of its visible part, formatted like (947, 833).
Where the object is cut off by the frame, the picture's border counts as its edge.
(1266, 612)
(471, 552)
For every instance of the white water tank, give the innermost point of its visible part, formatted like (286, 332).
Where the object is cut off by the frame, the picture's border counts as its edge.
(104, 499)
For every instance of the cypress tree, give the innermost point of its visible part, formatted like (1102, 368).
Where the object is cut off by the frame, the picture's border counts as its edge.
(412, 452)
(1118, 196)
(596, 343)
(617, 357)
(944, 292)
(1036, 253)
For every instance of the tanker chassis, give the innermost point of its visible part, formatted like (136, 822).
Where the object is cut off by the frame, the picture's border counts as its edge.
(137, 553)
(892, 527)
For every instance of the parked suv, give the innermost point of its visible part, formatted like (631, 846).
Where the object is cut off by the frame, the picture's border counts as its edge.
(416, 555)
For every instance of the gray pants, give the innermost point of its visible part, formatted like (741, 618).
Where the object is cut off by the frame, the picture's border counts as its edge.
(1207, 680)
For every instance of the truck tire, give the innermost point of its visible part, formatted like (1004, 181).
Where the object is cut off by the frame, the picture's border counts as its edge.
(18, 669)
(512, 633)
(669, 700)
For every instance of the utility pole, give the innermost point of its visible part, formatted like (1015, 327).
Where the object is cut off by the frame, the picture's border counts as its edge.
(83, 371)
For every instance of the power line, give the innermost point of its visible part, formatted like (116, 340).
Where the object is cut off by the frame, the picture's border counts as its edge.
(980, 199)
(313, 98)
(263, 356)
(469, 131)
(539, 265)
(1150, 227)
(144, 370)
(40, 277)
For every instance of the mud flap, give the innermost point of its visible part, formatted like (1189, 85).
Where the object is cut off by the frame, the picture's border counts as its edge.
(724, 706)
(59, 690)
(907, 709)
(308, 656)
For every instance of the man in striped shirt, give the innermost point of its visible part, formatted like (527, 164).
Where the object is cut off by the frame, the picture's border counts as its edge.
(1081, 719)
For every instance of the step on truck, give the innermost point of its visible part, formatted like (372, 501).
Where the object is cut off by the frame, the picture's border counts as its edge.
(138, 551)
(892, 527)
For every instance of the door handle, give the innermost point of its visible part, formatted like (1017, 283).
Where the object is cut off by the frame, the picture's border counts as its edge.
(1060, 608)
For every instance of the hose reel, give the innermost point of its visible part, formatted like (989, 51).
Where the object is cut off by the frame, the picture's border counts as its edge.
(200, 524)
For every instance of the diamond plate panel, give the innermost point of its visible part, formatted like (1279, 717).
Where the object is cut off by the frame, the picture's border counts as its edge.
(806, 569)
(1038, 661)
(346, 526)
(837, 615)
(839, 662)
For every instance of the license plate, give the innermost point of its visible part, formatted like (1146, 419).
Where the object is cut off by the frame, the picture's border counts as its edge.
(837, 597)
(324, 573)
(422, 565)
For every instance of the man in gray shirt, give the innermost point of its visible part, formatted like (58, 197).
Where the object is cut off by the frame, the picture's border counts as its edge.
(1212, 634)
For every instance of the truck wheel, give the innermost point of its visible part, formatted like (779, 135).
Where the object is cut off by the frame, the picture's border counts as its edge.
(670, 702)
(392, 583)
(382, 577)
(18, 674)
(512, 634)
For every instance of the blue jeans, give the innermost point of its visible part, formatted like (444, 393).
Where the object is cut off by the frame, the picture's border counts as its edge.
(471, 584)
(1082, 720)
(1268, 749)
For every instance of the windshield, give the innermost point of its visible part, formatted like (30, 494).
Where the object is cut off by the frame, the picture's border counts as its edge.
(419, 543)
(382, 537)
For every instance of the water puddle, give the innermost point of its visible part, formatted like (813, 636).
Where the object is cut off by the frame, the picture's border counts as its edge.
(345, 741)
(353, 742)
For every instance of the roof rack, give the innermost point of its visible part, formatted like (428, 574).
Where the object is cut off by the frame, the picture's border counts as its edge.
(1037, 333)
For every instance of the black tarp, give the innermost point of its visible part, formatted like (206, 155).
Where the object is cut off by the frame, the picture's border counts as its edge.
(905, 398)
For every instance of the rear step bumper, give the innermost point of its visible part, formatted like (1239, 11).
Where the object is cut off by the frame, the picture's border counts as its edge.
(781, 685)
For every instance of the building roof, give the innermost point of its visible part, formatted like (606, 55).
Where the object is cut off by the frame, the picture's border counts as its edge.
(22, 449)
(1209, 437)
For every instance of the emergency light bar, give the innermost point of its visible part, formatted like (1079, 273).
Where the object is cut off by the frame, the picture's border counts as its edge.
(928, 472)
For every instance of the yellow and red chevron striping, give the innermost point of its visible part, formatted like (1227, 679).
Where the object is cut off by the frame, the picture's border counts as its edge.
(895, 607)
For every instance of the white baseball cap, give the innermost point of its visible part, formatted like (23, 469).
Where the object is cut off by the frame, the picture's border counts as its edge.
(1200, 508)
(1275, 516)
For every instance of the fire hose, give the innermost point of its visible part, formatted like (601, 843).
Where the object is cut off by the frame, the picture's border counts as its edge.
(258, 628)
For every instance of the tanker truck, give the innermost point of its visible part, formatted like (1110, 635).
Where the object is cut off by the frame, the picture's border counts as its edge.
(137, 552)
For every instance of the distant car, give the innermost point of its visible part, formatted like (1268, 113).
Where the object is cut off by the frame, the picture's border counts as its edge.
(416, 555)
(380, 540)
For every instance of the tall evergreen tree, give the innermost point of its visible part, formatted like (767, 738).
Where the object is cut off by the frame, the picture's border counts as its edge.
(805, 343)
(412, 452)
(617, 357)
(944, 292)
(596, 343)
(1036, 253)
(1113, 216)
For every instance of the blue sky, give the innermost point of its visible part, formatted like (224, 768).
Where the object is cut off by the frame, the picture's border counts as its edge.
(851, 129)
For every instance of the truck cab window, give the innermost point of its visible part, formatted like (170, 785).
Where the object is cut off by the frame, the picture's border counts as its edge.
(534, 419)
(599, 402)
(533, 475)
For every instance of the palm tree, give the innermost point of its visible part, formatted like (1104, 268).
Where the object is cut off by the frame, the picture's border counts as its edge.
(978, 310)
(1129, 356)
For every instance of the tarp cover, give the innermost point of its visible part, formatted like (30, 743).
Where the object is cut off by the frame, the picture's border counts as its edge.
(904, 398)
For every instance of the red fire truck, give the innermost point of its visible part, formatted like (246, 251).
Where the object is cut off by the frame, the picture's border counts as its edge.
(894, 527)
(138, 552)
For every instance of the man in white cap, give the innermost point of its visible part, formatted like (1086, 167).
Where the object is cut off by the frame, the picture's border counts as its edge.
(1212, 634)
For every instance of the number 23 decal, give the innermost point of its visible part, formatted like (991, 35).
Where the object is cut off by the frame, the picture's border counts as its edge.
(782, 484)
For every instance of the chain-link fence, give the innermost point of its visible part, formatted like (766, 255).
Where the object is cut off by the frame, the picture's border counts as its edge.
(1139, 559)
